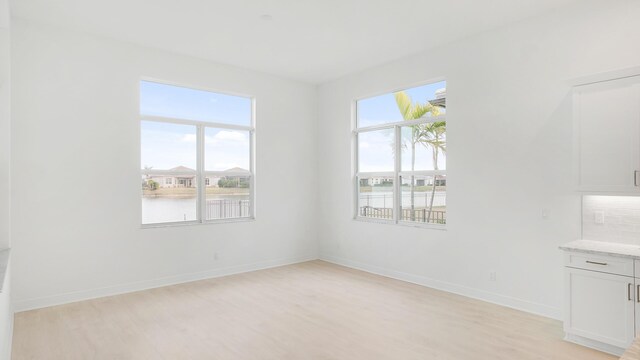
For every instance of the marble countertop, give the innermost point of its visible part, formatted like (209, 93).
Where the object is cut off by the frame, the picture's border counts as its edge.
(604, 248)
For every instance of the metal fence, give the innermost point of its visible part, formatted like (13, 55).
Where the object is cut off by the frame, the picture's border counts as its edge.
(419, 215)
(385, 199)
(227, 209)
(378, 213)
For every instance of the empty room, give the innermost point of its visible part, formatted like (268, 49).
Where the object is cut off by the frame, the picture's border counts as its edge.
(323, 180)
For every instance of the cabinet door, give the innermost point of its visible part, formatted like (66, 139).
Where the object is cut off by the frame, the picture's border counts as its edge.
(637, 307)
(607, 135)
(600, 306)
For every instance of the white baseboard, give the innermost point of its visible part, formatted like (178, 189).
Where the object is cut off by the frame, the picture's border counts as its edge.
(539, 309)
(514, 303)
(37, 303)
(593, 344)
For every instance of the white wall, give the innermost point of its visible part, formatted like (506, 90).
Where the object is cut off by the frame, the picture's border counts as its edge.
(5, 139)
(6, 311)
(74, 107)
(509, 156)
(75, 119)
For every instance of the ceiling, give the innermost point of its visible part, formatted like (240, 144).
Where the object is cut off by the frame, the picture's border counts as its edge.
(310, 40)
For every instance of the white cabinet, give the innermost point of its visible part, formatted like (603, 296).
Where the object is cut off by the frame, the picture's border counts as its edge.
(637, 266)
(637, 310)
(607, 135)
(600, 306)
(601, 301)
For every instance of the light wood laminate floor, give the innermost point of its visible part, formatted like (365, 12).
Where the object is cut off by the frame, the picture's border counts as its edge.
(633, 352)
(312, 310)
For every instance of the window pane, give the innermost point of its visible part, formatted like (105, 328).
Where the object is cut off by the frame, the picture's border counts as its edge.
(385, 109)
(421, 201)
(167, 146)
(179, 102)
(375, 151)
(228, 197)
(226, 150)
(168, 198)
(375, 197)
(423, 146)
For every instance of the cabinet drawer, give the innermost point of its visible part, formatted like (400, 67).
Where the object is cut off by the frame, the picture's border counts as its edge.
(606, 264)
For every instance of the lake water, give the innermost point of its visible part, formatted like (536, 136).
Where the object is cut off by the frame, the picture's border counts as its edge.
(383, 199)
(168, 209)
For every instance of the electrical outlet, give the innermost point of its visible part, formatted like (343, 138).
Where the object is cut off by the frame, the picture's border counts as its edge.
(492, 276)
(545, 213)
(598, 217)
(215, 255)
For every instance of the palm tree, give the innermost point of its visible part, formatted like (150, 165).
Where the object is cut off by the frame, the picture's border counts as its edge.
(147, 168)
(147, 177)
(433, 135)
(414, 111)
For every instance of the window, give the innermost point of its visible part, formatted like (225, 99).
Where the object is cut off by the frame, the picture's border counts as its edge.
(196, 155)
(400, 165)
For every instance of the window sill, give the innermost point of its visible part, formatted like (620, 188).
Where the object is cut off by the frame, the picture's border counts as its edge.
(195, 223)
(401, 223)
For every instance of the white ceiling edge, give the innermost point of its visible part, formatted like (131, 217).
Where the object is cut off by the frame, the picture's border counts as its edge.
(16, 20)
(436, 47)
(4, 4)
(312, 72)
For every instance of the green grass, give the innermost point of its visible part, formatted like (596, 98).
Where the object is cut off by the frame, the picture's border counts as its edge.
(191, 192)
(364, 189)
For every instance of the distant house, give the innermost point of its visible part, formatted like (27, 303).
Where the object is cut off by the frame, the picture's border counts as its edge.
(189, 181)
(235, 180)
(429, 181)
(441, 98)
(175, 181)
(375, 181)
(439, 182)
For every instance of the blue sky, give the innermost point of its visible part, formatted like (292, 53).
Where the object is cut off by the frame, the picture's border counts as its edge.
(180, 102)
(375, 148)
(383, 109)
(165, 146)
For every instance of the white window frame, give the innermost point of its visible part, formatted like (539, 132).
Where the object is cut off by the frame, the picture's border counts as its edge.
(397, 173)
(200, 173)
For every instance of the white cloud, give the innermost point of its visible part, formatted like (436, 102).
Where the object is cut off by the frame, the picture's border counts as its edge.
(221, 166)
(228, 137)
(222, 137)
(189, 138)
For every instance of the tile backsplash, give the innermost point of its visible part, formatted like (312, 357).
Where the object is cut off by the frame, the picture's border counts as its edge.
(611, 218)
